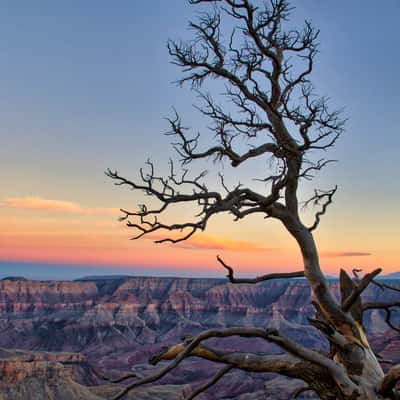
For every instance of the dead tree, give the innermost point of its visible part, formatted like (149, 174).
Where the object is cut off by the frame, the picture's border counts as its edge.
(273, 113)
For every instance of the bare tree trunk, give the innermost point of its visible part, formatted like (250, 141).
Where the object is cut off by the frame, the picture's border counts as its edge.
(357, 357)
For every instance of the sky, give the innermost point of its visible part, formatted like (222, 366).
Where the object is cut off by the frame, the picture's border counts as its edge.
(86, 86)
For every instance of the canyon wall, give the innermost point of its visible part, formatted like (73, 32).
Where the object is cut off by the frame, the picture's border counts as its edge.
(116, 324)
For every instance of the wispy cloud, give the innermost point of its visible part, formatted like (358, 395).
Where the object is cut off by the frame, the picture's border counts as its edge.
(38, 203)
(107, 224)
(332, 254)
(207, 242)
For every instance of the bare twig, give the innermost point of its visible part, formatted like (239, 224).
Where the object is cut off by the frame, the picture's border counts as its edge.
(320, 197)
(387, 307)
(380, 284)
(278, 275)
(383, 286)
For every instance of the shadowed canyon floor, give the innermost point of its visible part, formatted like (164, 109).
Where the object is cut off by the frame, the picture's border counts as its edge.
(117, 324)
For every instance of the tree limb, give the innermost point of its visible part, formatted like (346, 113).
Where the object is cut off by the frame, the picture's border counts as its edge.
(358, 289)
(320, 197)
(347, 287)
(387, 307)
(186, 147)
(180, 352)
(389, 382)
(239, 202)
(383, 286)
(262, 278)
(191, 347)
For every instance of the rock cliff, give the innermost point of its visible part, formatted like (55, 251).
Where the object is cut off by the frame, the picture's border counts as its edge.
(54, 376)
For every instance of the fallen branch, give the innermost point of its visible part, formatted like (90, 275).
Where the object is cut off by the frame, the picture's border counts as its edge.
(250, 362)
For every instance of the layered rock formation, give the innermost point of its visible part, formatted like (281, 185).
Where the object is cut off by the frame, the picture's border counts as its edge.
(54, 376)
(28, 375)
(117, 324)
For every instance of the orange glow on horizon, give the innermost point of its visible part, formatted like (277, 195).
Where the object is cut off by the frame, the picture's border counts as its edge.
(72, 234)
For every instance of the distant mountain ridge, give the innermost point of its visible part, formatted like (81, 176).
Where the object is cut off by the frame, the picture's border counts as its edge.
(393, 275)
(103, 277)
(14, 278)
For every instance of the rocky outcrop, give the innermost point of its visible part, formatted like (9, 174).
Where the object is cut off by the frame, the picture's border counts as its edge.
(52, 376)
(29, 375)
(15, 366)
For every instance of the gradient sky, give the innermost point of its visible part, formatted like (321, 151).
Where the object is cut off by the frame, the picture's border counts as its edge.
(86, 86)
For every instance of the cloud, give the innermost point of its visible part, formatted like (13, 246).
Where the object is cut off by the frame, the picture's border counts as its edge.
(102, 211)
(107, 224)
(332, 254)
(207, 242)
(38, 203)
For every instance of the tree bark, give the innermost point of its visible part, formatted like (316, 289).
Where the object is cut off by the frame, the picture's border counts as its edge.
(357, 357)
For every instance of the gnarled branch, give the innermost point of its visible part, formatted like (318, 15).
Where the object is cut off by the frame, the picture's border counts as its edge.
(389, 381)
(239, 202)
(323, 199)
(249, 362)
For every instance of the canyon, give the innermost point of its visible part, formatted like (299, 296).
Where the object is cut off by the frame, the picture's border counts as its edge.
(71, 333)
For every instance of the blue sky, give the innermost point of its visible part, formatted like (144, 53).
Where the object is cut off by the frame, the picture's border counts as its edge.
(86, 85)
